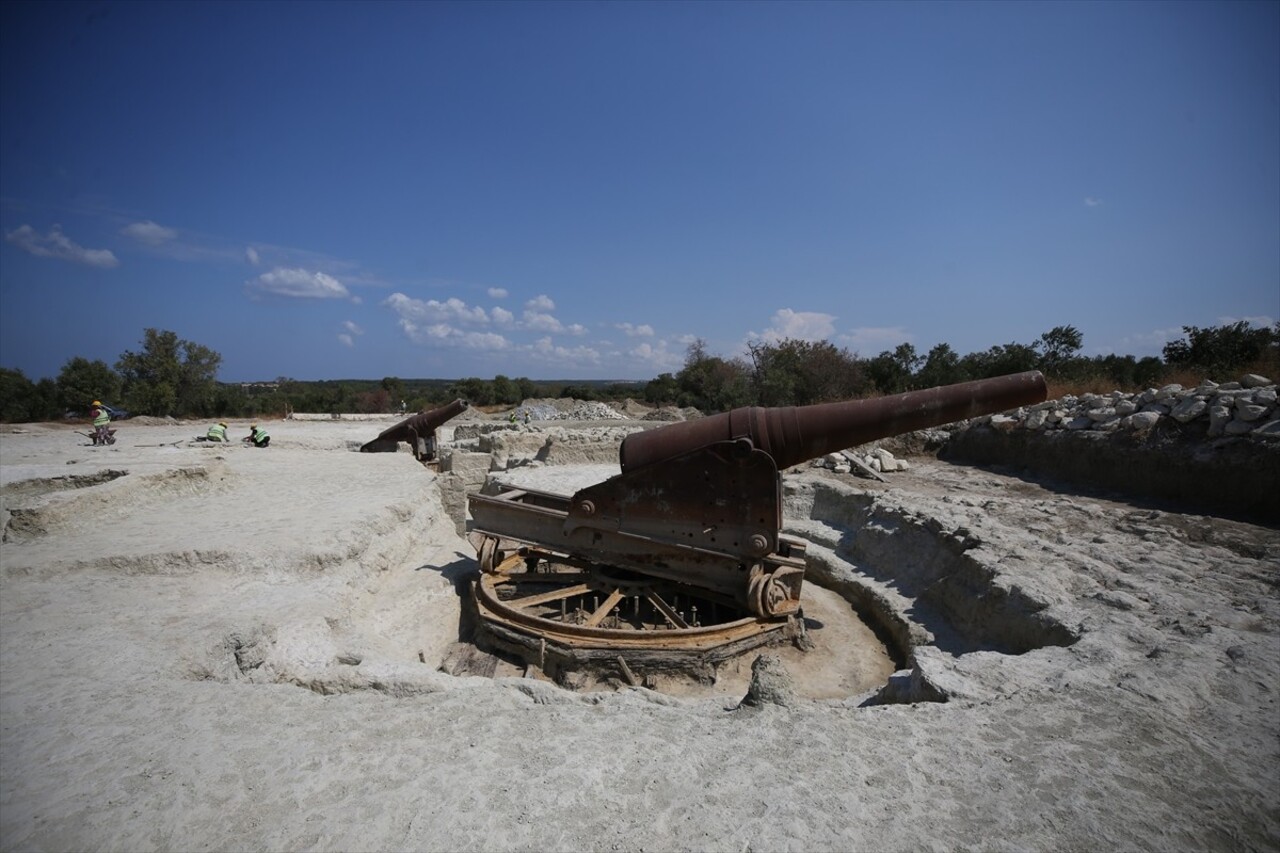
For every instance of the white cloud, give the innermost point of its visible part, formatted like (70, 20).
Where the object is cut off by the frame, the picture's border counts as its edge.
(544, 350)
(430, 311)
(1139, 344)
(645, 331)
(347, 340)
(1263, 321)
(540, 322)
(1090, 201)
(497, 293)
(149, 232)
(442, 334)
(657, 357)
(870, 341)
(55, 244)
(352, 328)
(251, 255)
(799, 325)
(576, 329)
(536, 317)
(301, 283)
(437, 323)
(502, 317)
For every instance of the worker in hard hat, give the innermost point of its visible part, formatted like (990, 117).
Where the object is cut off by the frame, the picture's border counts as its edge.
(217, 432)
(257, 436)
(101, 421)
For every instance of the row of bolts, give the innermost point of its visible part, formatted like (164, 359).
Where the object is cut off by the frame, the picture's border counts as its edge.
(580, 615)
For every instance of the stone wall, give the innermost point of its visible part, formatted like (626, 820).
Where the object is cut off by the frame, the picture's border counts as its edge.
(1213, 449)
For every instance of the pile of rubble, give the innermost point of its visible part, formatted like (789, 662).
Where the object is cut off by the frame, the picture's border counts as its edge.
(875, 460)
(1244, 408)
(565, 410)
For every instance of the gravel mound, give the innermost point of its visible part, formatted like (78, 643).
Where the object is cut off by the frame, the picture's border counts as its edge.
(548, 409)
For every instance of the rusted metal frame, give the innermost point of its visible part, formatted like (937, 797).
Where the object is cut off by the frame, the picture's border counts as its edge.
(542, 528)
(723, 499)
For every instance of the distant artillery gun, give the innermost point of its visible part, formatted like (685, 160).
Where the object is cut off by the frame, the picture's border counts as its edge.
(419, 431)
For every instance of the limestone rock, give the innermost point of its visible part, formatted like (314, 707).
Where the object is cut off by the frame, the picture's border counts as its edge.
(771, 684)
(1144, 420)
(1250, 412)
(1188, 410)
(1269, 430)
(1219, 417)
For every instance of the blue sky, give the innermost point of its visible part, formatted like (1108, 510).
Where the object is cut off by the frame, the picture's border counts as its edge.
(579, 190)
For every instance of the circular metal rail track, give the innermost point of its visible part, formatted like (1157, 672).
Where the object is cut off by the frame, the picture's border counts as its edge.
(592, 611)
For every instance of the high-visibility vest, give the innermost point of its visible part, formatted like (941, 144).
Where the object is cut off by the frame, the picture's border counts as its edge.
(258, 434)
(217, 432)
(101, 418)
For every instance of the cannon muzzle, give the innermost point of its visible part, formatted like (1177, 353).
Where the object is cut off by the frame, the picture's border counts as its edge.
(415, 429)
(795, 434)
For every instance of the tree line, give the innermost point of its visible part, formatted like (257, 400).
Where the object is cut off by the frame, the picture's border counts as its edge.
(795, 373)
(173, 377)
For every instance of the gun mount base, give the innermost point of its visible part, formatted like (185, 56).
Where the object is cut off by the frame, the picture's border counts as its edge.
(565, 616)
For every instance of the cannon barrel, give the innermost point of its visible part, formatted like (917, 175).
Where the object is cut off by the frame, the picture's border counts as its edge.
(795, 434)
(413, 426)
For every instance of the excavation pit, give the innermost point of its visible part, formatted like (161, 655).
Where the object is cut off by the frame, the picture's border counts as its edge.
(613, 629)
(883, 590)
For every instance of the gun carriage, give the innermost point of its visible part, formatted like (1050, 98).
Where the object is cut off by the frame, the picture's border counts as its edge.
(681, 557)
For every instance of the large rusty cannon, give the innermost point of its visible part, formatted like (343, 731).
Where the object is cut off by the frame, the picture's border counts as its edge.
(418, 430)
(696, 514)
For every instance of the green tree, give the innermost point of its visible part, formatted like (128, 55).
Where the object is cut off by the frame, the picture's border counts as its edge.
(661, 391)
(711, 383)
(169, 376)
(941, 367)
(476, 391)
(1220, 351)
(82, 381)
(794, 372)
(1059, 348)
(1000, 360)
(395, 390)
(893, 372)
(505, 392)
(18, 399)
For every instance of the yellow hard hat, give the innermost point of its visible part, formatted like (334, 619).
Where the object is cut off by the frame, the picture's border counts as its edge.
(255, 426)
(97, 402)
(222, 423)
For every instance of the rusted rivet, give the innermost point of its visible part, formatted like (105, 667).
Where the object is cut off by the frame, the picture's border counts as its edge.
(587, 507)
(759, 543)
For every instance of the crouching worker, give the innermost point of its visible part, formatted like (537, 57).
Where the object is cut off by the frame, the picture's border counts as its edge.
(102, 431)
(217, 432)
(258, 436)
